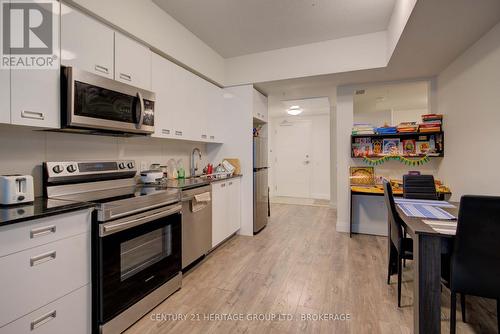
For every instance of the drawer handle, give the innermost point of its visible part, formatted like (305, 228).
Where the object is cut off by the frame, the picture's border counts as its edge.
(41, 231)
(222, 185)
(178, 133)
(32, 115)
(101, 69)
(165, 131)
(43, 320)
(42, 258)
(127, 77)
(204, 136)
(230, 183)
(212, 137)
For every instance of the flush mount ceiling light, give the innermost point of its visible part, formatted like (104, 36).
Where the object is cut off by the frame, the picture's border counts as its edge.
(294, 110)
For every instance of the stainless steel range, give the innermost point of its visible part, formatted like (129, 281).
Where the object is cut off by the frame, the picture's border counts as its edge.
(137, 241)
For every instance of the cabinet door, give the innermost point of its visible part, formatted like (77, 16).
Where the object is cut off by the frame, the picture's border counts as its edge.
(86, 43)
(161, 78)
(180, 98)
(4, 96)
(260, 106)
(219, 212)
(132, 62)
(216, 121)
(35, 93)
(234, 205)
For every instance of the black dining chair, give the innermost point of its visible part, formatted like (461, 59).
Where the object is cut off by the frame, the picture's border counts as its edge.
(475, 261)
(399, 247)
(419, 187)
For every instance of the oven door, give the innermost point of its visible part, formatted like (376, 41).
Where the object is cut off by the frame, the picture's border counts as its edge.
(136, 255)
(96, 102)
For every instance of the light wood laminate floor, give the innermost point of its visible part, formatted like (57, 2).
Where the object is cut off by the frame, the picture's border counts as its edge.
(298, 266)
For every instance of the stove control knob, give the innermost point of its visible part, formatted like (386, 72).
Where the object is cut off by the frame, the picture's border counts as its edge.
(57, 169)
(121, 165)
(130, 165)
(71, 168)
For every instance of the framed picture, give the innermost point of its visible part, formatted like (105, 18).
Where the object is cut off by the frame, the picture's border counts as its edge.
(377, 146)
(423, 147)
(362, 176)
(391, 146)
(409, 147)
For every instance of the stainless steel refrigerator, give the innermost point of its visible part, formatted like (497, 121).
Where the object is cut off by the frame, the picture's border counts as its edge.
(260, 184)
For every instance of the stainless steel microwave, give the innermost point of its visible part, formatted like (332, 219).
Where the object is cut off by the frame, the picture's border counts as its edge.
(91, 102)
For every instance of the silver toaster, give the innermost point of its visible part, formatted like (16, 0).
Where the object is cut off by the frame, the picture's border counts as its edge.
(16, 189)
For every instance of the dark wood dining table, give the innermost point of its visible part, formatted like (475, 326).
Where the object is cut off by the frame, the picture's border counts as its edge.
(427, 250)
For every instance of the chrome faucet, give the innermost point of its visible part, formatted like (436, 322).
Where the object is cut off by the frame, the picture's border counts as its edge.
(194, 167)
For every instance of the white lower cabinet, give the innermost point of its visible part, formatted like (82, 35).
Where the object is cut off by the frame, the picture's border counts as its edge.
(41, 275)
(226, 209)
(69, 314)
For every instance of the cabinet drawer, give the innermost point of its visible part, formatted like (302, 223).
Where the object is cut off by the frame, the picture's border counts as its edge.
(69, 314)
(18, 237)
(36, 276)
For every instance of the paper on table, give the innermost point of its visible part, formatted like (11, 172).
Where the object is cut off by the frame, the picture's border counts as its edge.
(442, 204)
(424, 211)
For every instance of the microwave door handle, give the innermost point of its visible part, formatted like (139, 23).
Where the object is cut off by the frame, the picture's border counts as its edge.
(141, 116)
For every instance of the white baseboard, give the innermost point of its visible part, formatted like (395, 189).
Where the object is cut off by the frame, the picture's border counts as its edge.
(320, 196)
(361, 229)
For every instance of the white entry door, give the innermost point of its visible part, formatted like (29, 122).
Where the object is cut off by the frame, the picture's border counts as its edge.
(293, 159)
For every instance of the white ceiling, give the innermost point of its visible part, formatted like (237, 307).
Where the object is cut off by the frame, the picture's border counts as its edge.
(405, 96)
(239, 27)
(310, 106)
(434, 36)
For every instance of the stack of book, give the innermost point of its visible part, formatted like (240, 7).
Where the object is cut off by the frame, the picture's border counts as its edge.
(431, 123)
(407, 127)
(363, 129)
(387, 130)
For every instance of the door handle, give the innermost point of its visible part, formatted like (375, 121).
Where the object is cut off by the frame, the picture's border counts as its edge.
(141, 116)
(41, 231)
(42, 258)
(101, 69)
(32, 115)
(127, 77)
(43, 320)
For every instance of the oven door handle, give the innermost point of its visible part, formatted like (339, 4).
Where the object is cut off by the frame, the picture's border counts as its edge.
(112, 227)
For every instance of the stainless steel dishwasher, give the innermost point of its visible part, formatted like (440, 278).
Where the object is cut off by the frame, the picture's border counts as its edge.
(196, 225)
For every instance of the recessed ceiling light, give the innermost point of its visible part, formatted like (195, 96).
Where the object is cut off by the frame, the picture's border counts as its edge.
(294, 107)
(294, 112)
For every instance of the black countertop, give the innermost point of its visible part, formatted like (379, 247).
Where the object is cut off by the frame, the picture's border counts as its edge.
(195, 182)
(41, 207)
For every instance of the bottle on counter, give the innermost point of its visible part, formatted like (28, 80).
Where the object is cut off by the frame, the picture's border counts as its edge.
(181, 173)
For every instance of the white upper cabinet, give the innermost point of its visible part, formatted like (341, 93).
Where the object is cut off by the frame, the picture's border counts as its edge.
(260, 106)
(35, 93)
(216, 120)
(161, 81)
(86, 43)
(4, 96)
(132, 62)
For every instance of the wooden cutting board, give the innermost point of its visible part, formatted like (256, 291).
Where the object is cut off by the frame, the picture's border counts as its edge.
(236, 163)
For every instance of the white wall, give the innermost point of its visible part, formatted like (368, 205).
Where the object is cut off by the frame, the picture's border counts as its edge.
(23, 150)
(469, 97)
(399, 18)
(339, 55)
(238, 106)
(150, 24)
(320, 155)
